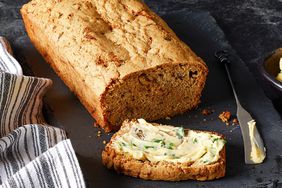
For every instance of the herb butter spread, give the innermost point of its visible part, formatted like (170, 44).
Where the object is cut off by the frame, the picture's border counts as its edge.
(144, 141)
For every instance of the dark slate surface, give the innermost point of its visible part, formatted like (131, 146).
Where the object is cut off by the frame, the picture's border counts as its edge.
(200, 31)
(252, 27)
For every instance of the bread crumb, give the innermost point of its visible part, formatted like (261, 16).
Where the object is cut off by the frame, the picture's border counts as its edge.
(235, 121)
(104, 142)
(206, 112)
(224, 117)
(99, 133)
(96, 124)
(168, 118)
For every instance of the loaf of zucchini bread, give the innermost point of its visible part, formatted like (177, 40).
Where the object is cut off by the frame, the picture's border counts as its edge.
(117, 56)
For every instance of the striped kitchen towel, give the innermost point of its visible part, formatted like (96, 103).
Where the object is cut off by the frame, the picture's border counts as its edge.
(32, 153)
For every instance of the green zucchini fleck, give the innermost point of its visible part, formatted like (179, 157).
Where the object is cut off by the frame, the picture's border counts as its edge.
(180, 133)
(174, 156)
(158, 140)
(170, 146)
(124, 144)
(132, 144)
(195, 140)
(215, 139)
(147, 147)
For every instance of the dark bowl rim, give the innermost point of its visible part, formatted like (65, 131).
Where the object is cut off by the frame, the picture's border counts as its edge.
(269, 76)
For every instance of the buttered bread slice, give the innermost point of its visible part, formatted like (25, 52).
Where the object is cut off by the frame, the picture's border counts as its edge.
(161, 152)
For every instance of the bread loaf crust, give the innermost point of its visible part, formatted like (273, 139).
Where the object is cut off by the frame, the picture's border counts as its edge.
(163, 170)
(95, 46)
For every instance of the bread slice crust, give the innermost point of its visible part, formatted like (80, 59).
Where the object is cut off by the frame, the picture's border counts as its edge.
(162, 170)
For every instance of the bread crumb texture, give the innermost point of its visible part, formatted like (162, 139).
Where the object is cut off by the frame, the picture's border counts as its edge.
(225, 116)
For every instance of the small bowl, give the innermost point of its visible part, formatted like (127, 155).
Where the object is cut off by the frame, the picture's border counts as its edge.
(269, 69)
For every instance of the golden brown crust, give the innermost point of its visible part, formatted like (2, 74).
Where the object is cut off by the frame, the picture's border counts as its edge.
(93, 44)
(74, 83)
(167, 171)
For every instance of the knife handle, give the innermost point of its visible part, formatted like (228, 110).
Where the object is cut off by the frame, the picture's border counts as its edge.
(223, 56)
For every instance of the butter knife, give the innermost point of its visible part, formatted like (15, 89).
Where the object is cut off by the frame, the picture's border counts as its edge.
(254, 149)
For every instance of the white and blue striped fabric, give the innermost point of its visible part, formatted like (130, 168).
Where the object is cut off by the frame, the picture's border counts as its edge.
(32, 153)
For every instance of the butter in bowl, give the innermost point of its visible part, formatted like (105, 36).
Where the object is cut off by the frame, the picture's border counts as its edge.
(271, 71)
(279, 75)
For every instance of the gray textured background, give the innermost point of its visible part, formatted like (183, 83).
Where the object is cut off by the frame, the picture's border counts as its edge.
(253, 27)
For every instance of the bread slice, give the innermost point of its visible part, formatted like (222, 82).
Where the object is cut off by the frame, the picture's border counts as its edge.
(117, 56)
(127, 155)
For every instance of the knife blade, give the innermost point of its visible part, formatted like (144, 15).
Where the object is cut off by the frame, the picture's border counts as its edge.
(254, 149)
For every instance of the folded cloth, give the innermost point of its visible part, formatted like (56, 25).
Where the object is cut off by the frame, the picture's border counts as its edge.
(7, 62)
(32, 153)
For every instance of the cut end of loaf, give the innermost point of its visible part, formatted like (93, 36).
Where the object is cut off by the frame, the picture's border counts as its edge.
(154, 93)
